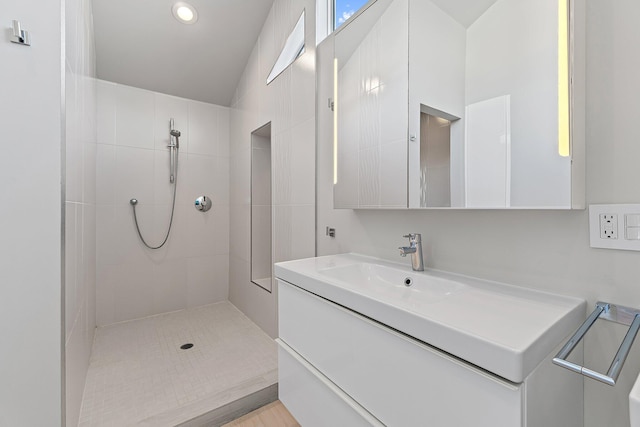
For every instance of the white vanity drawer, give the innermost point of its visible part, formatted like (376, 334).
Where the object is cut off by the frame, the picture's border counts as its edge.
(312, 399)
(401, 381)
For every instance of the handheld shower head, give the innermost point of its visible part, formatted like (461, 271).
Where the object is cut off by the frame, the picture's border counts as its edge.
(176, 134)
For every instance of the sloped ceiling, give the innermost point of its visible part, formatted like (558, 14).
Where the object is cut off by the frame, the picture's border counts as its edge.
(139, 43)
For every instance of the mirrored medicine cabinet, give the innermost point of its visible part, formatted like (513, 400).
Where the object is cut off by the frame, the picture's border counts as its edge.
(460, 104)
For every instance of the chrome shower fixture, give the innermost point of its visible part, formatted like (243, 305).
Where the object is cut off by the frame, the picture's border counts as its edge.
(173, 146)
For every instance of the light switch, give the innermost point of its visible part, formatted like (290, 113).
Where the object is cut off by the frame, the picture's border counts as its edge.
(632, 233)
(632, 220)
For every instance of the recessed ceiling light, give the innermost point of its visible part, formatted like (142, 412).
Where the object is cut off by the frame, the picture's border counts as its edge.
(185, 13)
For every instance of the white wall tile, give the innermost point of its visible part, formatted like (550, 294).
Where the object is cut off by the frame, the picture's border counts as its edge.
(166, 108)
(208, 231)
(106, 108)
(288, 103)
(134, 175)
(133, 296)
(303, 155)
(169, 286)
(133, 281)
(303, 86)
(207, 279)
(134, 117)
(223, 132)
(281, 156)
(80, 213)
(71, 257)
(203, 128)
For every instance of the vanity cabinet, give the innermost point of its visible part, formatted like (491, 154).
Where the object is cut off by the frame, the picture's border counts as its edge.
(338, 367)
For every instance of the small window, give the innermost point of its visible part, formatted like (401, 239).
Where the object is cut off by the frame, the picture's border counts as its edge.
(344, 9)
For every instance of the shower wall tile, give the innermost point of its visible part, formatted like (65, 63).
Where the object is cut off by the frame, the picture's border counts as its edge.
(133, 281)
(170, 107)
(162, 188)
(303, 166)
(169, 285)
(203, 128)
(201, 176)
(134, 175)
(288, 103)
(134, 117)
(206, 237)
(89, 156)
(223, 132)
(303, 87)
(133, 286)
(106, 111)
(71, 249)
(266, 42)
(200, 270)
(105, 174)
(80, 198)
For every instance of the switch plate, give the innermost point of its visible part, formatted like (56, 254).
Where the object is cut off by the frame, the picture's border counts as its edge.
(612, 227)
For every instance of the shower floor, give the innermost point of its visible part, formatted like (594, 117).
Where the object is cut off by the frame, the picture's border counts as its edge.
(139, 376)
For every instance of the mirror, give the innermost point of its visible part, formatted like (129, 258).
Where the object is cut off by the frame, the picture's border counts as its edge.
(458, 104)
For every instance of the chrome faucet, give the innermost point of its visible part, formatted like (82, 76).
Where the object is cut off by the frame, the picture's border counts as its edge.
(415, 249)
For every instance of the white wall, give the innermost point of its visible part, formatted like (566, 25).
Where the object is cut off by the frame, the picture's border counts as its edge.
(80, 208)
(289, 104)
(30, 218)
(133, 162)
(546, 250)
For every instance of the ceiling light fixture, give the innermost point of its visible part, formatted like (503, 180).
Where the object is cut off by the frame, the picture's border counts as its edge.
(185, 13)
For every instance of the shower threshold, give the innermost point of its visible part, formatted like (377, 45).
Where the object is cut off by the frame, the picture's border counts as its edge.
(140, 376)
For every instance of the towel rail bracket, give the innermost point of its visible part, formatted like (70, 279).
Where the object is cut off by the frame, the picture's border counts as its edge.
(614, 313)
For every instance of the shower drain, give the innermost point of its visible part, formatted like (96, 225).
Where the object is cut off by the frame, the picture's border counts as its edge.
(186, 346)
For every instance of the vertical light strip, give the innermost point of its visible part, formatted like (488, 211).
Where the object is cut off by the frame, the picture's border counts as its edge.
(563, 79)
(335, 121)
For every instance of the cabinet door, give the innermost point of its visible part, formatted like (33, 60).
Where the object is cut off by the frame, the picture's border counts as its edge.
(312, 399)
(399, 380)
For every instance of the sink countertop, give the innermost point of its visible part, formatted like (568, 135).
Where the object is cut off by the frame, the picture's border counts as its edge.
(504, 329)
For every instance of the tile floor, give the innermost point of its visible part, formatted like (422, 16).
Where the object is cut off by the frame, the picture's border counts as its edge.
(139, 375)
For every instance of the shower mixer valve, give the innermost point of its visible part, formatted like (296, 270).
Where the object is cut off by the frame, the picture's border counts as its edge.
(203, 203)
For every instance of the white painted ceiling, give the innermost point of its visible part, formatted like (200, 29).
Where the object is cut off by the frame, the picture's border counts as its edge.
(464, 11)
(139, 43)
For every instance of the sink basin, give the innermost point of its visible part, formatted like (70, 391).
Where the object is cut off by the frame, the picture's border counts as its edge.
(504, 329)
(411, 290)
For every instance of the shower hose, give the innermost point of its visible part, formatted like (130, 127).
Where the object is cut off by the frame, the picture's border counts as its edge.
(134, 202)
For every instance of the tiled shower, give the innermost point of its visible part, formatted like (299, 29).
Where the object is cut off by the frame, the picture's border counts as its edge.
(133, 161)
(122, 154)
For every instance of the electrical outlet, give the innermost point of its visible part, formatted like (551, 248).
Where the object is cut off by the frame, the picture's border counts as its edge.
(608, 226)
(615, 227)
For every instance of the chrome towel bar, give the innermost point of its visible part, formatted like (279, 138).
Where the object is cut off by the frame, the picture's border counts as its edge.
(614, 313)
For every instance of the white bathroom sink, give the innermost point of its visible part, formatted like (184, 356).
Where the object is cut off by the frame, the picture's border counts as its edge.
(503, 329)
(410, 290)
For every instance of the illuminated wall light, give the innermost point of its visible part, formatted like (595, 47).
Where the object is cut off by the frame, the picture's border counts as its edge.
(185, 13)
(564, 147)
(335, 121)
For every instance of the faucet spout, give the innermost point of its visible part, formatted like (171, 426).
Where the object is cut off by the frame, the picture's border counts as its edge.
(415, 249)
(404, 250)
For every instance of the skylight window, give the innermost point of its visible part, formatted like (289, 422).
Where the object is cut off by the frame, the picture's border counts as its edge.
(345, 9)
